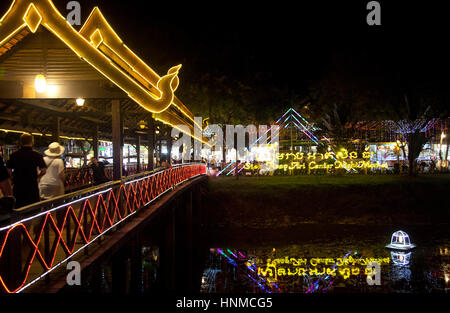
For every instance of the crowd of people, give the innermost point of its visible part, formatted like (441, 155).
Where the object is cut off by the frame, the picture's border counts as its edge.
(35, 177)
(28, 176)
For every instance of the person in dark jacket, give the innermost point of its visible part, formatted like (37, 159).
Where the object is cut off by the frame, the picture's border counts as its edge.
(26, 166)
(98, 171)
(5, 185)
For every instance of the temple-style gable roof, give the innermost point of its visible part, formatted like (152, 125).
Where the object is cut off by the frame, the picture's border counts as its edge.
(99, 46)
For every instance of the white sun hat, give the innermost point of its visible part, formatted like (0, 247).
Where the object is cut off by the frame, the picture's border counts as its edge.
(54, 150)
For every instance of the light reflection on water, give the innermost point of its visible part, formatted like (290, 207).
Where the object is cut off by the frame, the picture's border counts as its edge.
(423, 269)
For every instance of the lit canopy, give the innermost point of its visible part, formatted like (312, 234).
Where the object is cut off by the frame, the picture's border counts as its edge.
(97, 45)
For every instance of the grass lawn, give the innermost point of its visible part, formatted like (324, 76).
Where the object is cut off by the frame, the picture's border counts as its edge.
(282, 182)
(282, 201)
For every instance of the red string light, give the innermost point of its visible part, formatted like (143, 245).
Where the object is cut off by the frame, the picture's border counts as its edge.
(115, 204)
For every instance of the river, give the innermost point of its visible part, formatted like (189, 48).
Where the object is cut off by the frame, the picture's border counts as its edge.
(332, 259)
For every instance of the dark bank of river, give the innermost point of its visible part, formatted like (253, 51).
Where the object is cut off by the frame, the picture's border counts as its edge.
(259, 219)
(279, 202)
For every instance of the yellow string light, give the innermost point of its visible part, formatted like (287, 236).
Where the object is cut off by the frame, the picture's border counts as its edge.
(94, 33)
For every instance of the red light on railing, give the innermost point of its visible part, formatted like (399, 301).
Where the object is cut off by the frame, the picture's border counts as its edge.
(103, 208)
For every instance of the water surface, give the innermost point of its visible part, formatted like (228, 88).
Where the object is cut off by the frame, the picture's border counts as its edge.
(239, 262)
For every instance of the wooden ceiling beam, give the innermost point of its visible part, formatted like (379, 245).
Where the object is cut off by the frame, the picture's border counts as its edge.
(61, 111)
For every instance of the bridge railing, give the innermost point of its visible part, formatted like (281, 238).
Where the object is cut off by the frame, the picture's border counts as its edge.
(42, 236)
(80, 178)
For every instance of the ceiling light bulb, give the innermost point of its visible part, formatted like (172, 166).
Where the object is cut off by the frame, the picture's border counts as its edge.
(80, 102)
(142, 124)
(40, 83)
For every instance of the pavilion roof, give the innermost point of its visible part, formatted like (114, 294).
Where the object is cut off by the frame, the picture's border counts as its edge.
(97, 46)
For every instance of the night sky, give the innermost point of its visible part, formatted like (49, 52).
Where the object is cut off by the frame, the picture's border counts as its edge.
(288, 43)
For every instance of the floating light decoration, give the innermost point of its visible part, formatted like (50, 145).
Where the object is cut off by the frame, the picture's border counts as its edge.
(400, 241)
(80, 102)
(400, 257)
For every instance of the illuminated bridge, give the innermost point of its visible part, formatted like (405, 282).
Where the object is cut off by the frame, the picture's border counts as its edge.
(85, 89)
(101, 222)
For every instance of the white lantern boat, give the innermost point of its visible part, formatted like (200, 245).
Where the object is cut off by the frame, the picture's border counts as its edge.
(400, 241)
(400, 258)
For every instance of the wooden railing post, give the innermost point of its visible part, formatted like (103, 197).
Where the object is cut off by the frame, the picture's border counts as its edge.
(117, 140)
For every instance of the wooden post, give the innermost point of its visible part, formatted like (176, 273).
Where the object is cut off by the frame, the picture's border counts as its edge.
(237, 164)
(159, 144)
(56, 129)
(95, 142)
(128, 161)
(151, 143)
(169, 145)
(138, 153)
(117, 140)
(158, 139)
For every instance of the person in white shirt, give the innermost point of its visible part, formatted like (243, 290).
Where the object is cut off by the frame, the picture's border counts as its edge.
(52, 183)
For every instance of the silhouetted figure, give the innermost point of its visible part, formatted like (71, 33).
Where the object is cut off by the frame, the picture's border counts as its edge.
(27, 166)
(52, 183)
(99, 174)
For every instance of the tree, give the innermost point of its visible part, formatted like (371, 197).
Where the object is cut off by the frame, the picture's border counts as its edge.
(228, 101)
(345, 94)
(398, 88)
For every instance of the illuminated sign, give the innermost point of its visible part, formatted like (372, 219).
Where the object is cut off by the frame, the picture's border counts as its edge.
(344, 267)
(98, 45)
(313, 161)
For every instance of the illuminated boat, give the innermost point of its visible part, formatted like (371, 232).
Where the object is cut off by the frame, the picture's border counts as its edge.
(400, 241)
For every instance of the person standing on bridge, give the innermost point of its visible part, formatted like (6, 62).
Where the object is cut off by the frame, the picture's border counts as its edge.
(6, 199)
(51, 184)
(5, 185)
(26, 166)
(99, 174)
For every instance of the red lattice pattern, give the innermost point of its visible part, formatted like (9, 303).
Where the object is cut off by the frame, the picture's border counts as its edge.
(71, 226)
(82, 178)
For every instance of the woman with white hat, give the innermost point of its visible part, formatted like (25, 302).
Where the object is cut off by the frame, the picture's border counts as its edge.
(52, 183)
